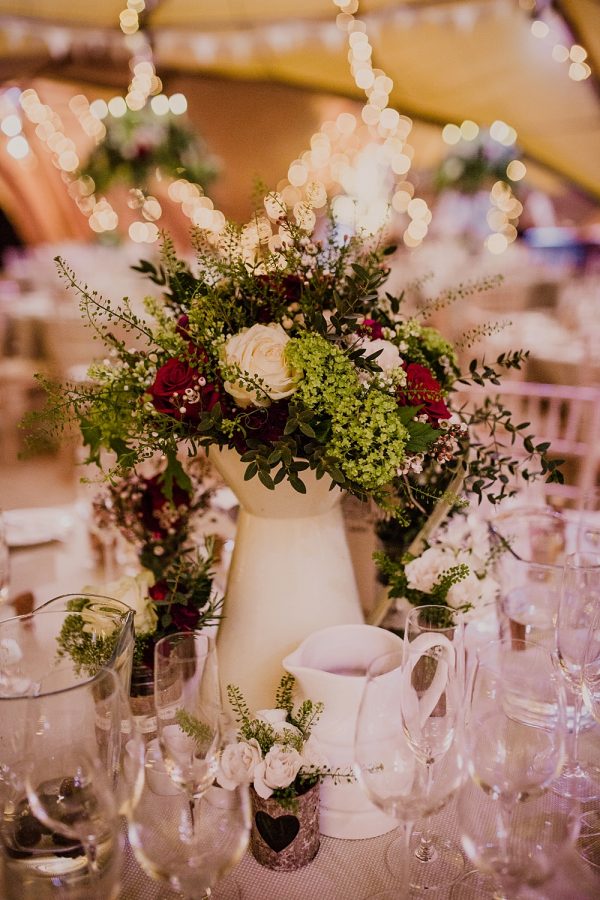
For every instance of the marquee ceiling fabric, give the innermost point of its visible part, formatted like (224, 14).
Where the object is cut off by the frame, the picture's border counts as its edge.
(449, 61)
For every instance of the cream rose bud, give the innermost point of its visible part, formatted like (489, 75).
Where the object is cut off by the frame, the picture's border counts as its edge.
(259, 353)
(277, 770)
(237, 764)
(276, 718)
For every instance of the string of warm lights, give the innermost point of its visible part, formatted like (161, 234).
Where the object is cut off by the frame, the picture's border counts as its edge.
(11, 124)
(575, 55)
(362, 163)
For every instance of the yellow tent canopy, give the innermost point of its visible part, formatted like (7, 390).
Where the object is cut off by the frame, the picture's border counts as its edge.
(476, 59)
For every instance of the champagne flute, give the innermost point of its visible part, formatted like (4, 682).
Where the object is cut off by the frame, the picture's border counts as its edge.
(436, 861)
(189, 711)
(514, 746)
(580, 599)
(393, 740)
(588, 531)
(4, 562)
(591, 667)
(588, 843)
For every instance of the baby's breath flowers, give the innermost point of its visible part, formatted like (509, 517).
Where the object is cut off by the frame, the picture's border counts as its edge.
(282, 345)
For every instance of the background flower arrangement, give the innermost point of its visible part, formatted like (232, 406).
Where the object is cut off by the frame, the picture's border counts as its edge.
(139, 142)
(173, 591)
(474, 165)
(453, 571)
(287, 349)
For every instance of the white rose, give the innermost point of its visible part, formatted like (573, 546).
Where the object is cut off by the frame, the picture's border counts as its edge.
(424, 571)
(276, 718)
(237, 764)
(388, 360)
(277, 770)
(259, 353)
(132, 590)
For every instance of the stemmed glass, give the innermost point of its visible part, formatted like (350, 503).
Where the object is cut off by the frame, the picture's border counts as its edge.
(588, 531)
(189, 711)
(580, 599)
(514, 746)
(588, 843)
(190, 857)
(397, 744)
(437, 861)
(68, 795)
(4, 561)
(591, 667)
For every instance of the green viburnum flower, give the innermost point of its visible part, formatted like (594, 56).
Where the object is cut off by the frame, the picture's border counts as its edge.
(368, 440)
(367, 436)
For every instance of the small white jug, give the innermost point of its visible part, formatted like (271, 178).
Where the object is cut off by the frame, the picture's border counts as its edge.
(331, 665)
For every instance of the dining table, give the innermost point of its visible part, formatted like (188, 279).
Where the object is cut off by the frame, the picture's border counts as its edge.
(53, 552)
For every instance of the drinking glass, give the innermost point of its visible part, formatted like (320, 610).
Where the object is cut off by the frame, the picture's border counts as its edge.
(190, 856)
(61, 800)
(540, 830)
(591, 668)
(189, 711)
(580, 599)
(4, 562)
(398, 745)
(588, 531)
(440, 632)
(514, 747)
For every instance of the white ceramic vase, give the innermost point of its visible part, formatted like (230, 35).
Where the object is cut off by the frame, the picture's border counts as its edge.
(291, 574)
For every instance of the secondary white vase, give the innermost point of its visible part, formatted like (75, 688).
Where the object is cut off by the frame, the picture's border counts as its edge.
(291, 574)
(331, 665)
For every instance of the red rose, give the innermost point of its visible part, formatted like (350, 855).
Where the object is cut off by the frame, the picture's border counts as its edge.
(185, 618)
(422, 389)
(181, 391)
(159, 591)
(370, 329)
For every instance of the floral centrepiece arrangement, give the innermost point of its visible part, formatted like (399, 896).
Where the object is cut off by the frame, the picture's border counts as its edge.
(138, 143)
(173, 591)
(276, 755)
(287, 349)
(474, 165)
(453, 571)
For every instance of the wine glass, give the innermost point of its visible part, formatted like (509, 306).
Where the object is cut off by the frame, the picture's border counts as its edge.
(190, 852)
(591, 667)
(579, 600)
(540, 830)
(60, 827)
(514, 747)
(588, 531)
(189, 711)
(440, 632)
(395, 739)
(4, 561)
